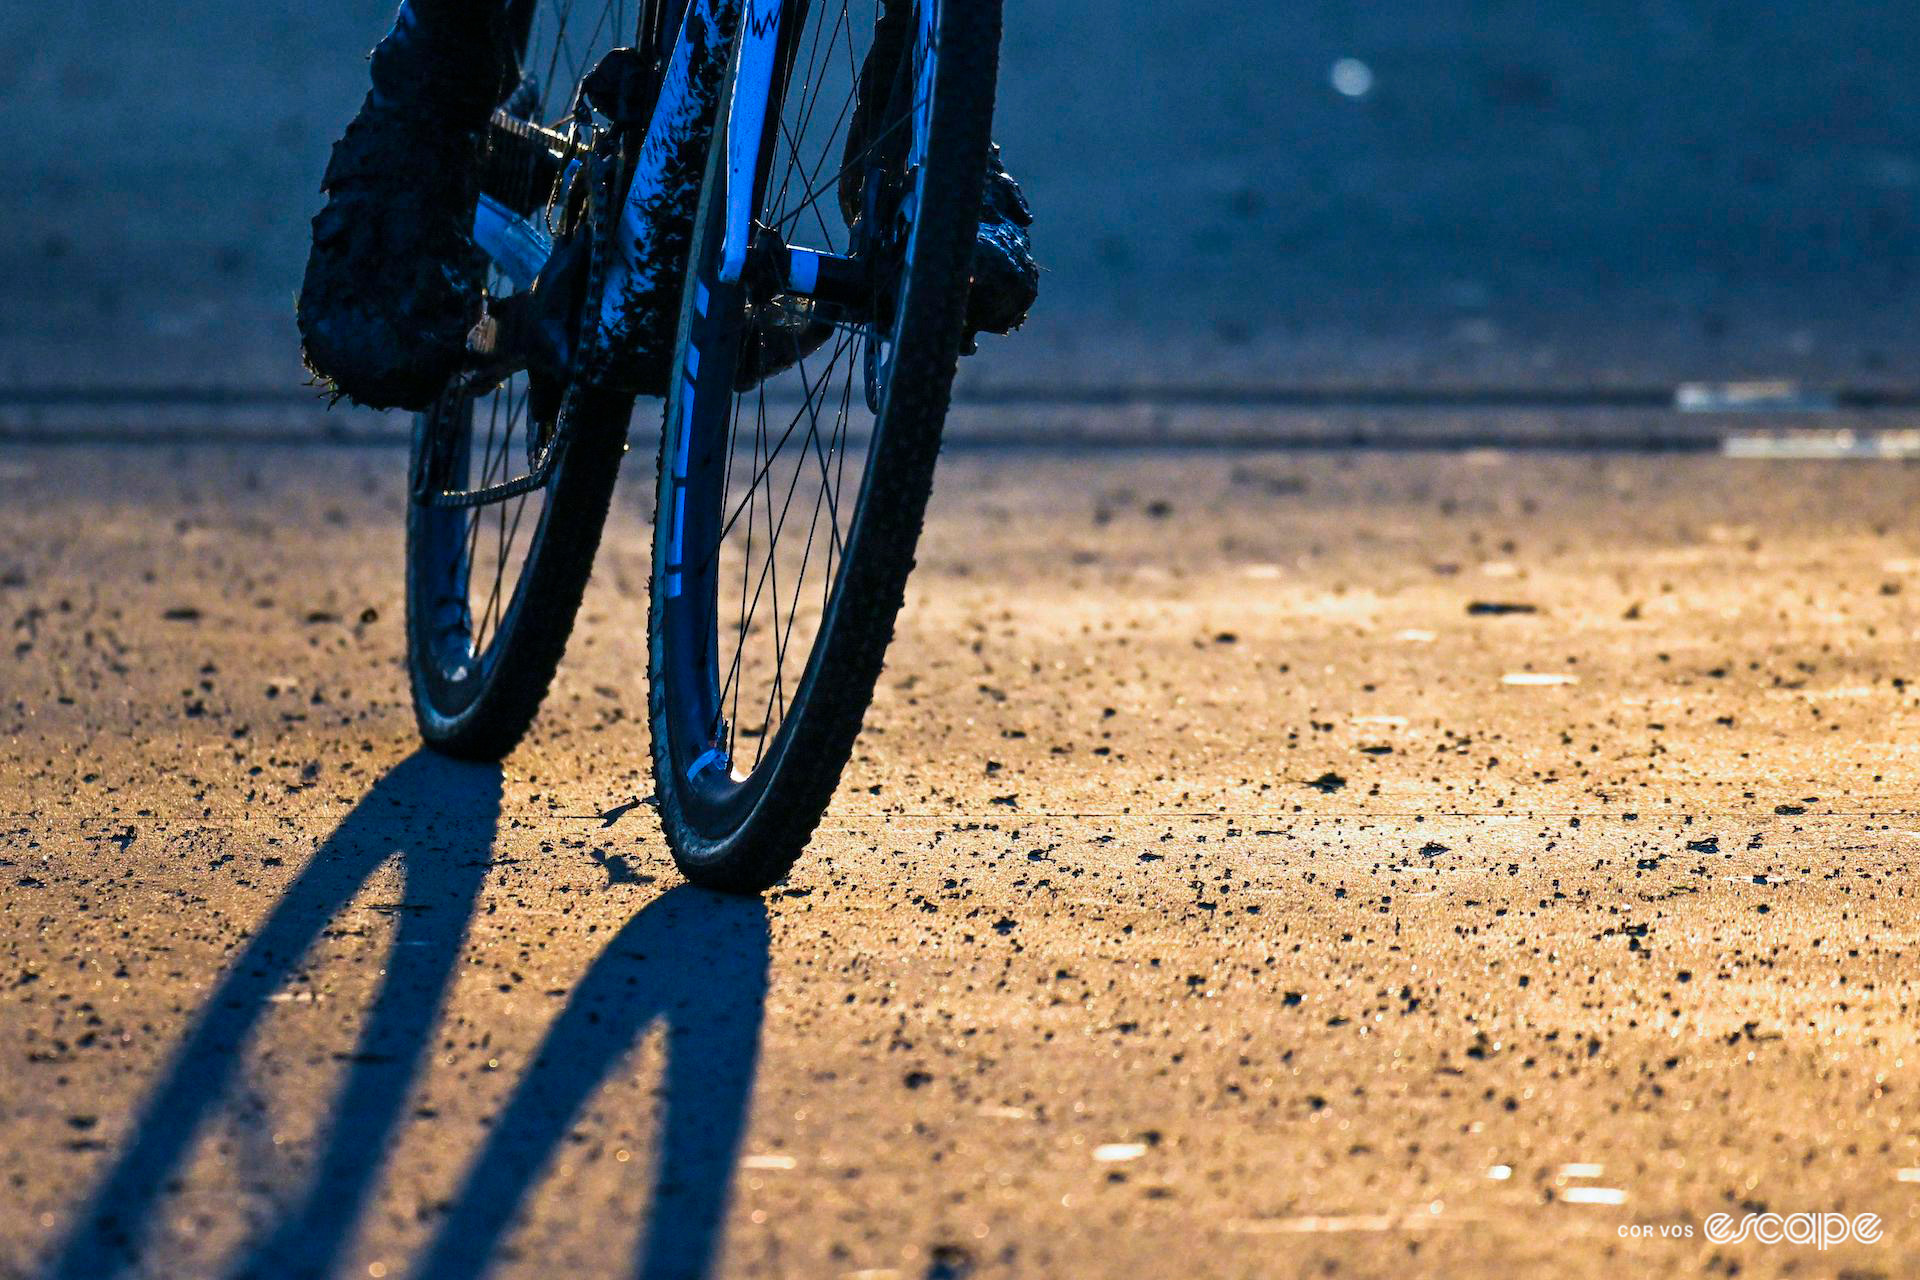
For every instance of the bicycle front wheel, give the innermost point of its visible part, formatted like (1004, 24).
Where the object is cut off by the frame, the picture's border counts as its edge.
(801, 431)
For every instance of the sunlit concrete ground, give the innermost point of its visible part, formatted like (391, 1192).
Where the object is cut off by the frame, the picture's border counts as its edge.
(1221, 888)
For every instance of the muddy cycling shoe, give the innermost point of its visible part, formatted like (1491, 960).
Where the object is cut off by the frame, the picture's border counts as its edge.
(1006, 279)
(1006, 282)
(394, 280)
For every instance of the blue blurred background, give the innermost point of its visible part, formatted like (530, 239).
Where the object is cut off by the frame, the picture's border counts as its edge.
(1453, 192)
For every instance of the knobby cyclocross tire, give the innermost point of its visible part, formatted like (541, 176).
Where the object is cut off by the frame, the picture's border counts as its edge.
(734, 824)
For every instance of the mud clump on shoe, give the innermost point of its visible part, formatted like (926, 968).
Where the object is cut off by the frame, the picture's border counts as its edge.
(1006, 279)
(391, 290)
(394, 280)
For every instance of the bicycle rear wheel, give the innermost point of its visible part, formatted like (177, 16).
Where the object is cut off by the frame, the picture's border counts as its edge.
(510, 484)
(800, 437)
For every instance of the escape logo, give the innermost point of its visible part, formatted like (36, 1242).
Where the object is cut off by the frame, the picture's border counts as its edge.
(1818, 1229)
(1821, 1230)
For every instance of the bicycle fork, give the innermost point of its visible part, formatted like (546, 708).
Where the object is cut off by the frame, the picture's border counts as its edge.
(646, 264)
(632, 342)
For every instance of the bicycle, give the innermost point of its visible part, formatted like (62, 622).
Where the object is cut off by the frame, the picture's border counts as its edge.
(818, 316)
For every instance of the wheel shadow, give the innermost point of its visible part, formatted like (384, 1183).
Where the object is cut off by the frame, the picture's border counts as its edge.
(694, 960)
(697, 962)
(439, 818)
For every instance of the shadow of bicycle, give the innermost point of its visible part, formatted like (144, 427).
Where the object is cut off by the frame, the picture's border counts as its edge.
(696, 961)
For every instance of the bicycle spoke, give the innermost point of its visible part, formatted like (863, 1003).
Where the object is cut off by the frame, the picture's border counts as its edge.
(823, 496)
(553, 63)
(812, 196)
(760, 470)
(762, 476)
(768, 574)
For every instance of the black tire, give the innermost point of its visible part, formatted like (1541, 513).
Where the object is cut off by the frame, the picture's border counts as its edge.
(481, 656)
(742, 833)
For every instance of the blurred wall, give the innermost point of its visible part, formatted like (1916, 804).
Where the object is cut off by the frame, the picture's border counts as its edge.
(1560, 193)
